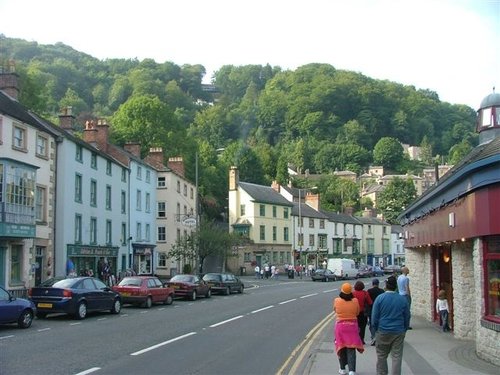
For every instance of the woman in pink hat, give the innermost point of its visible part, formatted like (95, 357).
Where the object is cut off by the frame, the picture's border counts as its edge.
(347, 339)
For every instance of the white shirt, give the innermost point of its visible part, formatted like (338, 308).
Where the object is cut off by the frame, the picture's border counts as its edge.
(441, 304)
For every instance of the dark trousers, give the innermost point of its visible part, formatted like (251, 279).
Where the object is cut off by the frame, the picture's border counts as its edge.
(347, 356)
(443, 314)
(362, 321)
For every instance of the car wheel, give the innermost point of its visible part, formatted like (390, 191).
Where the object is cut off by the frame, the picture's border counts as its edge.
(117, 306)
(209, 293)
(25, 319)
(325, 279)
(148, 303)
(81, 311)
(193, 295)
(169, 300)
(41, 315)
(227, 291)
(240, 290)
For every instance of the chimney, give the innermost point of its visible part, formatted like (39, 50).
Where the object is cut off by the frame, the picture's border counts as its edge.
(90, 133)
(177, 165)
(234, 178)
(66, 118)
(102, 135)
(368, 212)
(312, 200)
(155, 157)
(349, 210)
(9, 80)
(276, 186)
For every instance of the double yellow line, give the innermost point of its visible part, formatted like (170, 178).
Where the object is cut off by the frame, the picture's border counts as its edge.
(298, 354)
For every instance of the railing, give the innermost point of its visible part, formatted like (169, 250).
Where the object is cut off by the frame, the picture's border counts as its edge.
(19, 293)
(17, 214)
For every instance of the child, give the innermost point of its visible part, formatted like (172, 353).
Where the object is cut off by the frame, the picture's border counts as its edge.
(442, 309)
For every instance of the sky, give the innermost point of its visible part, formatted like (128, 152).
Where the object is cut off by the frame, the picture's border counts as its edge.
(451, 47)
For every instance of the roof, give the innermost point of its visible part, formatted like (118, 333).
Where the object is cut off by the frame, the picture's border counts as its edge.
(307, 211)
(341, 218)
(371, 220)
(264, 194)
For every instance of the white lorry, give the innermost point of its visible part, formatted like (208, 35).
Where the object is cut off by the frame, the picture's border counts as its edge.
(343, 268)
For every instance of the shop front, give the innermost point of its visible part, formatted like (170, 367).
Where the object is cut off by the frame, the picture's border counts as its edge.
(143, 258)
(88, 260)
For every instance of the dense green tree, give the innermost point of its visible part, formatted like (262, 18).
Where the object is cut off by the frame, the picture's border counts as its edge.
(426, 151)
(388, 152)
(338, 193)
(395, 198)
(458, 152)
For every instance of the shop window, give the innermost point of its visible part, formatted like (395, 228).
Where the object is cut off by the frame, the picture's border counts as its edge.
(492, 278)
(16, 253)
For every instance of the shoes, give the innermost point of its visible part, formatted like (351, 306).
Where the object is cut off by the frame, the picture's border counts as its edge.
(342, 372)
(372, 343)
(352, 373)
(410, 328)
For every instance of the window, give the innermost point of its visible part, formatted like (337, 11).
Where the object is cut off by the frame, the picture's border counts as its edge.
(16, 254)
(161, 182)
(138, 231)
(148, 176)
(109, 239)
(300, 239)
(178, 213)
(148, 232)
(286, 235)
(185, 190)
(124, 174)
(275, 234)
(139, 172)
(108, 197)
(162, 209)
(162, 260)
(42, 149)
(274, 211)
(285, 212)
(78, 188)
(178, 186)
(138, 201)
(370, 245)
(322, 224)
(384, 230)
(148, 202)
(93, 230)
(247, 257)
(19, 137)
(124, 233)
(191, 193)
(369, 229)
(262, 232)
(1, 128)
(262, 210)
(41, 199)
(162, 233)
(124, 202)
(337, 245)
(492, 275)
(93, 160)
(311, 222)
(322, 241)
(93, 193)
(79, 153)
(108, 167)
(78, 228)
(311, 240)
(242, 210)
(335, 229)
(386, 246)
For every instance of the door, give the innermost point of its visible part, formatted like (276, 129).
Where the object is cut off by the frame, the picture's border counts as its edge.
(442, 273)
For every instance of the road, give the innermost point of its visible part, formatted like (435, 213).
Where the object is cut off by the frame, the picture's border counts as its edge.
(254, 332)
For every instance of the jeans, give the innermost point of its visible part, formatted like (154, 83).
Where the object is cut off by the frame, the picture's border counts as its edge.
(347, 356)
(362, 320)
(444, 320)
(389, 343)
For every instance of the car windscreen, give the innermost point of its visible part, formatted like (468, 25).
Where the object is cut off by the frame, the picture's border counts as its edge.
(211, 277)
(182, 278)
(66, 283)
(130, 282)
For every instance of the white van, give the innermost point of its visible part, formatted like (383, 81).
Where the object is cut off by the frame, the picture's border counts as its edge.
(343, 268)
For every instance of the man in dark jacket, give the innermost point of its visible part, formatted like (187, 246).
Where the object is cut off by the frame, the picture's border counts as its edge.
(374, 292)
(390, 320)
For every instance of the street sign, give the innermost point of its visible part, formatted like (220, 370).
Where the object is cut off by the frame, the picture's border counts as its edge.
(189, 222)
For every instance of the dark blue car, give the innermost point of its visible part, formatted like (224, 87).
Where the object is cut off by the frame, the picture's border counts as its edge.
(15, 310)
(75, 296)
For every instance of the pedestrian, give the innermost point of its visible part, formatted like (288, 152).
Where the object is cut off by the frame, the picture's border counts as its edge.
(365, 304)
(347, 339)
(257, 271)
(374, 292)
(390, 319)
(266, 270)
(404, 287)
(443, 310)
(262, 273)
(273, 270)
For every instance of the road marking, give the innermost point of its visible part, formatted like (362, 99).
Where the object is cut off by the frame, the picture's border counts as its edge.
(161, 308)
(89, 371)
(74, 324)
(6, 337)
(290, 300)
(330, 290)
(163, 343)
(309, 295)
(101, 319)
(43, 329)
(264, 308)
(226, 321)
(143, 312)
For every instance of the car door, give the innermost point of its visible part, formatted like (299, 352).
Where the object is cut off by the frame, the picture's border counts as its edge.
(87, 290)
(154, 289)
(103, 295)
(8, 310)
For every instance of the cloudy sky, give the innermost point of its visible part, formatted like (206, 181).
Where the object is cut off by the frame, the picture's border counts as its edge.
(451, 47)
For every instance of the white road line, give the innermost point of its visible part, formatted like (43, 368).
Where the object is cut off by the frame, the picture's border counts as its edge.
(74, 324)
(102, 319)
(88, 371)
(330, 290)
(163, 343)
(43, 329)
(309, 295)
(264, 308)
(226, 321)
(143, 312)
(290, 300)
(6, 337)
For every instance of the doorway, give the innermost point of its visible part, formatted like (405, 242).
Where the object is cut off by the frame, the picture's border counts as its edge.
(442, 276)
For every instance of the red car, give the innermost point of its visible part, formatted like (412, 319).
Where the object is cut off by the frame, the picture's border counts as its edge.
(144, 291)
(190, 286)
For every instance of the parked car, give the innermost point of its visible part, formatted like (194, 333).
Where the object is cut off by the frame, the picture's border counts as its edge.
(225, 283)
(377, 271)
(323, 275)
(16, 310)
(189, 286)
(392, 269)
(144, 291)
(75, 296)
(365, 271)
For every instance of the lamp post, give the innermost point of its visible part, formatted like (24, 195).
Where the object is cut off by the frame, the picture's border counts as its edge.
(301, 234)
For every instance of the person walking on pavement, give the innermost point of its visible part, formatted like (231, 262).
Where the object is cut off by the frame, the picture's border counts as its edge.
(257, 272)
(404, 287)
(374, 292)
(365, 304)
(390, 319)
(347, 339)
(442, 309)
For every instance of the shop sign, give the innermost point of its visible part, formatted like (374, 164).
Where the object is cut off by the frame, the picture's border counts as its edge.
(17, 230)
(92, 251)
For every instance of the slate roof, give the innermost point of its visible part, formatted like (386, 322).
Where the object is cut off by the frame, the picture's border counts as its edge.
(371, 220)
(307, 211)
(264, 194)
(341, 218)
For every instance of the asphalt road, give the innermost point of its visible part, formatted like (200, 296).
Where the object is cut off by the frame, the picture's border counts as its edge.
(254, 332)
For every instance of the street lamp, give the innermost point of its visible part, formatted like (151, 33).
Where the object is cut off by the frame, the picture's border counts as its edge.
(301, 235)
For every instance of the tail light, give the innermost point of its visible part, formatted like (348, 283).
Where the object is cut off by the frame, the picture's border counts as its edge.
(30, 292)
(67, 293)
